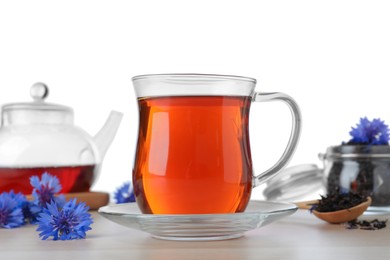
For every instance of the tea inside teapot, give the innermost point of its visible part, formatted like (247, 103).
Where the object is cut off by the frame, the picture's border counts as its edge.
(72, 178)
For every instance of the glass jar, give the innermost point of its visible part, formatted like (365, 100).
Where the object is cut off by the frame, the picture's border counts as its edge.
(363, 169)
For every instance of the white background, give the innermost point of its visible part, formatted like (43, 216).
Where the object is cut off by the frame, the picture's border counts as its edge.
(333, 57)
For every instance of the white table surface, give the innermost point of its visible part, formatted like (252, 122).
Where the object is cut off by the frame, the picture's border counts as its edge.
(299, 236)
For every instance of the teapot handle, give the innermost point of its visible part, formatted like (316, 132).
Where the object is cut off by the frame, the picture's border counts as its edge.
(294, 135)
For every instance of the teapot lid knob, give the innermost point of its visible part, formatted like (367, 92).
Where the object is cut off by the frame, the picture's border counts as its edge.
(39, 91)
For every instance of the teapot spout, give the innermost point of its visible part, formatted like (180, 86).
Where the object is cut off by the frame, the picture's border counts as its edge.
(105, 136)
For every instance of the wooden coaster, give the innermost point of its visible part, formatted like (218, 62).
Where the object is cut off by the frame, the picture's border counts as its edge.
(93, 199)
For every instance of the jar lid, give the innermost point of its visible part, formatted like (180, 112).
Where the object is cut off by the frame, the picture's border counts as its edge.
(37, 111)
(356, 151)
(294, 183)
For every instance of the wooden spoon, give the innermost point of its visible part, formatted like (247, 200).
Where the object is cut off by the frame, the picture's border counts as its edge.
(339, 216)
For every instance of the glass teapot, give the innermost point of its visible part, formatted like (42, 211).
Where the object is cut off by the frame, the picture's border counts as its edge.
(38, 137)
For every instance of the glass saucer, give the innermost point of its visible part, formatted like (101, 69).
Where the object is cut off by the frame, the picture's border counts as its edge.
(198, 227)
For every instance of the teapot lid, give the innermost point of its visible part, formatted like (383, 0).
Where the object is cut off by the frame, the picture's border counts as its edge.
(294, 183)
(37, 111)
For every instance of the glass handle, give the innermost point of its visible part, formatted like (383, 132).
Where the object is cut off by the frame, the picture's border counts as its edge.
(294, 136)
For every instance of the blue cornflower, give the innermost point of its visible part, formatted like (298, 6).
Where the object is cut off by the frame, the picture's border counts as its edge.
(11, 214)
(367, 132)
(70, 222)
(28, 208)
(124, 193)
(45, 189)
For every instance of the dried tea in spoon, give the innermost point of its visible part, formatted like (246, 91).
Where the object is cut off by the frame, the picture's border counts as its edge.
(341, 207)
(339, 201)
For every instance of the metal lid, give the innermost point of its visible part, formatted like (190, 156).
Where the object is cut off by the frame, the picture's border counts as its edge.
(356, 151)
(294, 183)
(37, 111)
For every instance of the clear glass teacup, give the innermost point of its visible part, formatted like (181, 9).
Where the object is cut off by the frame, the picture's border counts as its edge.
(193, 153)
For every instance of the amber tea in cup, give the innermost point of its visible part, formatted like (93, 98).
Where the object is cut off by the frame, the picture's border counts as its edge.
(193, 153)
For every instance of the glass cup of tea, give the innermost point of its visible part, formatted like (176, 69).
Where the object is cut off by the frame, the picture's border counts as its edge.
(193, 153)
